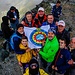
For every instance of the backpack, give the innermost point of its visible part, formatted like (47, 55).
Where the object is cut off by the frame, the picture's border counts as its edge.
(11, 40)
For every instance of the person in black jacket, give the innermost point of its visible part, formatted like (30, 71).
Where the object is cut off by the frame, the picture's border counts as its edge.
(7, 31)
(61, 32)
(13, 14)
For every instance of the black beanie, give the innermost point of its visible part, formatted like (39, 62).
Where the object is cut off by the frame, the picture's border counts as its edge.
(19, 25)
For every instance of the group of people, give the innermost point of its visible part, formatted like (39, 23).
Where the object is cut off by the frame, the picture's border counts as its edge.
(57, 54)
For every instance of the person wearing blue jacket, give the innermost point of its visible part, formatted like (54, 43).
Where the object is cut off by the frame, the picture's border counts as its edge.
(56, 11)
(16, 38)
(62, 60)
(50, 22)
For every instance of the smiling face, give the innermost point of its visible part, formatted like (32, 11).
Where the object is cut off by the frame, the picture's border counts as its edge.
(50, 18)
(51, 35)
(41, 13)
(21, 30)
(61, 28)
(24, 42)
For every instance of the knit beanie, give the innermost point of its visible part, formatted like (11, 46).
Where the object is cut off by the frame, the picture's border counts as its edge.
(52, 30)
(19, 25)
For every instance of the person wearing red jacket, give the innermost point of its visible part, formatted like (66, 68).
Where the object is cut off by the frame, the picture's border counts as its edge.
(40, 17)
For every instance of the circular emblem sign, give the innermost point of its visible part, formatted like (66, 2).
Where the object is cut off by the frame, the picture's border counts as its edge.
(37, 36)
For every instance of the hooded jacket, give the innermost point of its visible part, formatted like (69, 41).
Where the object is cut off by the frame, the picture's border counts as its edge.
(27, 56)
(7, 32)
(49, 50)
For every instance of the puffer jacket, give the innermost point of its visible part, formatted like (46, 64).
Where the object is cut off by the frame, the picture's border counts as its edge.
(42, 72)
(26, 57)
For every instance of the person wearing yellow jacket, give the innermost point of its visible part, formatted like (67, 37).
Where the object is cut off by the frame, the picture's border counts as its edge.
(34, 68)
(25, 58)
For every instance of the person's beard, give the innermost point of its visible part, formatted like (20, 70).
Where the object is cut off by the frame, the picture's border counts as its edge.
(50, 38)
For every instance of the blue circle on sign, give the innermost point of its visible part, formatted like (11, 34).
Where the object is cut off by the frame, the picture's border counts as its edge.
(38, 36)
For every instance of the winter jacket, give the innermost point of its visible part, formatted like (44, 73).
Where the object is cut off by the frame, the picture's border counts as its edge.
(49, 50)
(56, 11)
(62, 61)
(27, 56)
(65, 34)
(15, 41)
(26, 23)
(42, 72)
(39, 20)
(11, 15)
